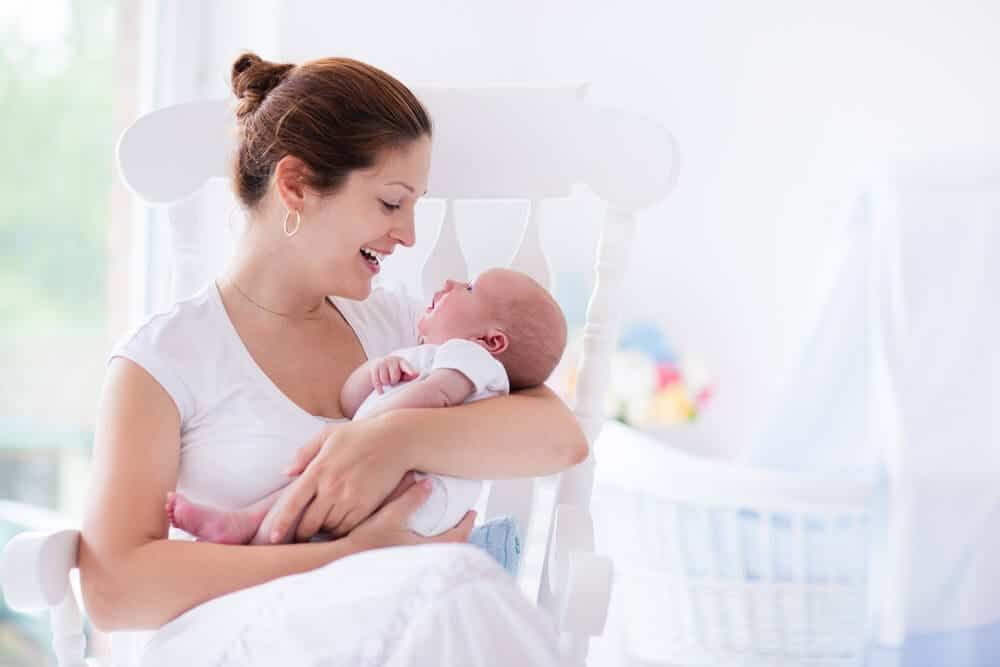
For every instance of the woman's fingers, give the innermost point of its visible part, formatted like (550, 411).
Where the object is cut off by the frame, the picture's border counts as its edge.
(334, 518)
(305, 455)
(348, 523)
(312, 520)
(293, 502)
(409, 501)
(459, 533)
(408, 480)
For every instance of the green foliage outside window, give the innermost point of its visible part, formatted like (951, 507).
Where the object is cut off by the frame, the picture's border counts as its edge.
(57, 91)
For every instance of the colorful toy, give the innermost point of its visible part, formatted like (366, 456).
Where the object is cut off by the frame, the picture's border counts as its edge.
(650, 384)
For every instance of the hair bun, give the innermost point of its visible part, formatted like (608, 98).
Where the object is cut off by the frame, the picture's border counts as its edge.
(253, 78)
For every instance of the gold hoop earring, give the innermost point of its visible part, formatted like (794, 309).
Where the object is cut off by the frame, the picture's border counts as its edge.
(298, 223)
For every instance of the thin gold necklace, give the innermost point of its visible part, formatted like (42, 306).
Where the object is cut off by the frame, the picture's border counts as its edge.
(287, 316)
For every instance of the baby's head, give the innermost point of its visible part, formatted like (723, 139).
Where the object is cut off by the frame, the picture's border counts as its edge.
(506, 312)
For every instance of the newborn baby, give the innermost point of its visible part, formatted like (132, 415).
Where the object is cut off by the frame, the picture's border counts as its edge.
(477, 340)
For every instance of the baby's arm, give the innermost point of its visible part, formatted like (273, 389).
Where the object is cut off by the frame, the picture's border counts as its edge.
(356, 388)
(450, 497)
(371, 376)
(442, 388)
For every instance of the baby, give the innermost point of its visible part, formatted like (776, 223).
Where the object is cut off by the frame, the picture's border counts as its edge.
(477, 340)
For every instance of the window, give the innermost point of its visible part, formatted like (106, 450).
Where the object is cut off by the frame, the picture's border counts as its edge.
(58, 283)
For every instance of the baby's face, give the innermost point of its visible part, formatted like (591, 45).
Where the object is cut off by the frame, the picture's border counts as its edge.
(465, 310)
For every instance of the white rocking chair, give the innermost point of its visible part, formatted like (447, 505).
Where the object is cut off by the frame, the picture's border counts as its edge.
(521, 143)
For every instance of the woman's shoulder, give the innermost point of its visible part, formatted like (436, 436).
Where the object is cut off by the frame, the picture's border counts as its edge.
(174, 346)
(180, 324)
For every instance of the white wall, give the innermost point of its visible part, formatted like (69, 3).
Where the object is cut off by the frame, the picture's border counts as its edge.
(775, 104)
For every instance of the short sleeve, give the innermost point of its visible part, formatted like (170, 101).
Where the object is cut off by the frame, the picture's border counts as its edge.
(473, 361)
(154, 347)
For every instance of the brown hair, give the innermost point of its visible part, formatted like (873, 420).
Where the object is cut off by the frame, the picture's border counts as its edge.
(334, 114)
(536, 328)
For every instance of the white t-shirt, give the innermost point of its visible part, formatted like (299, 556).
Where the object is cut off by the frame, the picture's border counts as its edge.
(238, 430)
(450, 497)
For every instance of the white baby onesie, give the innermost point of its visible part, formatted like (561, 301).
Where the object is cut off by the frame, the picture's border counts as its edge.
(451, 497)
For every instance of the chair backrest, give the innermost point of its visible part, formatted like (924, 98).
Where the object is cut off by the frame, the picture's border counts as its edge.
(512, 142)
(526, 143)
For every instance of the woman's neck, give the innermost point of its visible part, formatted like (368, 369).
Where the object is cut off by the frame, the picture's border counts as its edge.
(271, 281)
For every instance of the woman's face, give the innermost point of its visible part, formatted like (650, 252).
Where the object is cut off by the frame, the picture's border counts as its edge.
(345, 236)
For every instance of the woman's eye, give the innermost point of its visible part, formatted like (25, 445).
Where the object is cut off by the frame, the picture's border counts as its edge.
(390, 207)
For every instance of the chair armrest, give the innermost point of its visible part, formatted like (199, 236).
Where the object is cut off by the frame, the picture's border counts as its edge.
(35, 570)
(579, 580)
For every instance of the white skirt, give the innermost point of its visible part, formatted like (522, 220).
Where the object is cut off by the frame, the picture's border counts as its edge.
(440, 604)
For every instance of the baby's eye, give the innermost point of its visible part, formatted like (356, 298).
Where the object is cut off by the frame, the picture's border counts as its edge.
(390, 207)
(468, 286)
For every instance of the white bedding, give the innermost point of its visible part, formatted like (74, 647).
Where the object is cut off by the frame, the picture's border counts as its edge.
(447, 605)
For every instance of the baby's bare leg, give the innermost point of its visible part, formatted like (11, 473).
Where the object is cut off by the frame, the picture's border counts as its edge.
(214, 525)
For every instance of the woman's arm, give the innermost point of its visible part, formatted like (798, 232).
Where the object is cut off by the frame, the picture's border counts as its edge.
(347, 472)
(132, 577)
(527, 434)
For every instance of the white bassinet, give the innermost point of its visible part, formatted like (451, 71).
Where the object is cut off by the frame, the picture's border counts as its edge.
(720, 563)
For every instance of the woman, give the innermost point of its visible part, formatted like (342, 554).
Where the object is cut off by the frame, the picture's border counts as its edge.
(214, 397)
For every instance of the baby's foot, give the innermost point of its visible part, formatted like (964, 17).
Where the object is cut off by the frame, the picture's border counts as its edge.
(500, 539)
(210, 524)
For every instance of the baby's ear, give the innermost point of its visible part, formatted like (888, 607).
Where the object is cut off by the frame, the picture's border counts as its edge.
(495, 341)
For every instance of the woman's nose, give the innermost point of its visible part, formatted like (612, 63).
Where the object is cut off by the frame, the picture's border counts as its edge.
(406, 232)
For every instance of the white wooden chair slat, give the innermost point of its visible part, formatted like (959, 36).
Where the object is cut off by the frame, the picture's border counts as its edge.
(498, 142)
(446, 259)
(530, 257)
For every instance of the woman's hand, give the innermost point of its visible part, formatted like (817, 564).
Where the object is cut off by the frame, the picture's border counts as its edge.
(346, 473)
(388, 526)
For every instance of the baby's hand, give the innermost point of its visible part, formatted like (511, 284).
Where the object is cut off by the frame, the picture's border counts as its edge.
(390, 370)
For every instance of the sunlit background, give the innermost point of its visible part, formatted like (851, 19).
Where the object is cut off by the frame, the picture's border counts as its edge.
(57, 303)
(779, 109)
